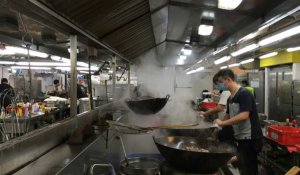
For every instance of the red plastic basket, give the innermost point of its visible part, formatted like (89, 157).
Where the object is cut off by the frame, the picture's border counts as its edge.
(298, 148)
(284, 135)
(208, 105)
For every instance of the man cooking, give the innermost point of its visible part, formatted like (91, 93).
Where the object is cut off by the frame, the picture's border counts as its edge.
(226, 134)
(242, 115)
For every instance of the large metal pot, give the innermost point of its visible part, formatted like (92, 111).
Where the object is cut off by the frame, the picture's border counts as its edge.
(140, 166)
(147, 106)
(174, 150)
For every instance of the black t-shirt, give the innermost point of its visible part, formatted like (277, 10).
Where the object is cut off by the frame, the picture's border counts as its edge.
(81, 91)
(8, 94)
(243, 101)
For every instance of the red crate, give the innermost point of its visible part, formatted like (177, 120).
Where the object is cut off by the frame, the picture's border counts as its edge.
(284, 135)
(208, 105)
(298, 148)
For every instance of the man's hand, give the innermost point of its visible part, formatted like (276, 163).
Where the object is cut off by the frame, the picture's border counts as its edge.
(219, 122)
(201, 113)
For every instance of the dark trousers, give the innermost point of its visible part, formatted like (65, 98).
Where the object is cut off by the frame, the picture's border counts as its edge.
(247, 155)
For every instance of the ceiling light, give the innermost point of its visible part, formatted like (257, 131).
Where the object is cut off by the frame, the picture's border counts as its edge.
(268, 55)
(206, 27)
(222, 60)
(23, 51)
(38, 54)
(200, 61)
(191, 72)
(182, 57)
(7, 62)
(248, 37)
(199, 69)
(180, 62)
(55, 58)
(187, 50)
(247, 61)
(63, 68)
(244, 50)
(26, 67)
(85, 72)
(220, 50)
(7, 52)
(292, 49)
(93, 68)
(278, 18)
(66, 60)
(229, 4)
(42, 64)
(234, 65)
(69, 50)
(280, 36)
(82, 64)
(224, 67)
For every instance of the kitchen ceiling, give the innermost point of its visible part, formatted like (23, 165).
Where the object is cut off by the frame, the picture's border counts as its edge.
(133, 27)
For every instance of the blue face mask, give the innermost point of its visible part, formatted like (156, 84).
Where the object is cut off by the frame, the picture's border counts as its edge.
(221, 87)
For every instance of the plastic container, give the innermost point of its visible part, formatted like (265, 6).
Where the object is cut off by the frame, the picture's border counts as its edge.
(208, 105)
(284, 135)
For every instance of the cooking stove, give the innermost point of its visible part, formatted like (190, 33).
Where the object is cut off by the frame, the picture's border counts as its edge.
(166, 169)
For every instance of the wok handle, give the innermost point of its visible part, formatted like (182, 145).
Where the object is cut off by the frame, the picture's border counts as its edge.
(167, 97)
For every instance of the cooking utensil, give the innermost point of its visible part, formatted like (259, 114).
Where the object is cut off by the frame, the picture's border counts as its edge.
(200, 133)
(133, 129)
(174, 150)
(147, 106)
(140, 166)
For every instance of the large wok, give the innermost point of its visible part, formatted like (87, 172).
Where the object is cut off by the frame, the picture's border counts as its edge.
(173, 150)
(199, 133)
(147, 106)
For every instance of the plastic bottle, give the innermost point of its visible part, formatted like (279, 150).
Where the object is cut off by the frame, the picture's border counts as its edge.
(287, 121)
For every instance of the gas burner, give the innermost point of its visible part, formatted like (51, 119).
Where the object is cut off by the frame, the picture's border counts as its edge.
(166, 169)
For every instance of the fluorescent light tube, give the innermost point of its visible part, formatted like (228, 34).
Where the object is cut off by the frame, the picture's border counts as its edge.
(280, 36)
(229, 4)
(220, 50)
(222, 60)
(293, 49)
(205, 30)
(93, 68)
(55, 58)
(247, 61)
(69, 50)
(182, 57)
(224, 67)
(199, 69)
(234, 65)
(180, 62)
(26, 67)
(268, 55)
(244, 50)
(191, 72)
(200, 61)
(82, 64)
(7, 62)
(38, 54)
(42, 64)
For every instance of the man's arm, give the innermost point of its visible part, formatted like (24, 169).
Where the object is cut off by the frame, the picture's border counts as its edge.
(215, 110)
(236, 119)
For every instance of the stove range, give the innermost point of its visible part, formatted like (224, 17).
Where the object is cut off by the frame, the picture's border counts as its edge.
(166, 169)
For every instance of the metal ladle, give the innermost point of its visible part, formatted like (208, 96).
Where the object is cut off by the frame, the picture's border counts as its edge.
(123, 148)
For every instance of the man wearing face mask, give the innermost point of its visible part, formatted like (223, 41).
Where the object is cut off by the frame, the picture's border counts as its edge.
(226, 134)
(221, 107)
(81, 89)
(242, 115)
